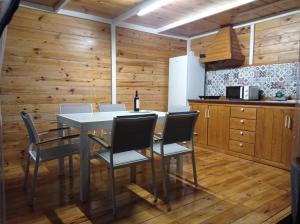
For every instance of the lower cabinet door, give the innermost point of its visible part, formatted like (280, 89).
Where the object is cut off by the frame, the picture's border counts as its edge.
(218, 126)
(275, 134)
(289, 136)
(201, 124)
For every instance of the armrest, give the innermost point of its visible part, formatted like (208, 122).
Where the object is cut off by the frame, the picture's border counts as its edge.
(58, 139)
(99, 140)
(53, 130)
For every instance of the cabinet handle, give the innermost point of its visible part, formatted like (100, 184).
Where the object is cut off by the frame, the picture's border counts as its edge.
(241, 145)
(289, 122)
(242, 133)
(208, 113)
(242, 121)
(242, 109)
(285, 121)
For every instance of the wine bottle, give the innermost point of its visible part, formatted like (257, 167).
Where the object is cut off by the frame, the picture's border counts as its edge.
(136, 102)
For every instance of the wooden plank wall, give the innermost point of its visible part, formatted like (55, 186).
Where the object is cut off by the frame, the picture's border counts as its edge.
(276, 41)
(143, 65)
(200, 45)
(51, 59)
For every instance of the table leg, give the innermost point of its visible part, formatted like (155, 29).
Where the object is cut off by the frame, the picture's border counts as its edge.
(61, 164)
(84, 166)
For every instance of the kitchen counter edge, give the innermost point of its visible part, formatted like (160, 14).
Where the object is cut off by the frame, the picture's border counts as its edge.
(288, 103)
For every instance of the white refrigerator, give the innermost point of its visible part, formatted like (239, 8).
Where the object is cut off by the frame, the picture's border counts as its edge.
(186, 80)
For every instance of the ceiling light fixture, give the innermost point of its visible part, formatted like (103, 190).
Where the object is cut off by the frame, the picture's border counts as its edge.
(152, 7)
(206, 13)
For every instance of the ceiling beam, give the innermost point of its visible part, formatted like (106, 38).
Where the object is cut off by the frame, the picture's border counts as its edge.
(31, 5)
(84, 16)
(60, 4)
(133, 11)
(148, 30)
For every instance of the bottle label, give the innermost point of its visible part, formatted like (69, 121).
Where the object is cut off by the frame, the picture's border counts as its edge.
(137, 104)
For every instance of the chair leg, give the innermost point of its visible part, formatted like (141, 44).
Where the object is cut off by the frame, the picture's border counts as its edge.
(71, 166)
(179, 164)
(168, 164)
(194, 169)
(26, 171)
(164, 178)
(36, 167)
(113, 191)
(133, 174)
(154, 180)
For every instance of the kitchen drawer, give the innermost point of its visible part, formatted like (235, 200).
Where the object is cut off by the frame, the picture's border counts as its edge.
(243, 112)
(242, 124)
(241, 135)
(241, 147)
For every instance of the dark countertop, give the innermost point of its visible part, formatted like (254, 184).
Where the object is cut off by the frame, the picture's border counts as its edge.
(288, 103)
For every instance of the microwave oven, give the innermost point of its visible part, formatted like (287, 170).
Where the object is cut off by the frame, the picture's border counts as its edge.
(242, 92)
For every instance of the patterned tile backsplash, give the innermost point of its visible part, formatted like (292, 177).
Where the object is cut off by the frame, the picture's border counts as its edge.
(269, 78)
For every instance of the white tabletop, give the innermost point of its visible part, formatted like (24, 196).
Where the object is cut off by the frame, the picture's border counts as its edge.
(99, 120)
(104, 116)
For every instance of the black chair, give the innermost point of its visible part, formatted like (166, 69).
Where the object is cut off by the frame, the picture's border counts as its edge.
(129, 134)
(179, 128)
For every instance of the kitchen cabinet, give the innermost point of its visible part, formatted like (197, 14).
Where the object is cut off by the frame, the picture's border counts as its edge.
(201, 125)
(212, 125)
(262, 133)
(218, 126)
(275, 135)
(241, 147)
(242, 124)
(242, 129)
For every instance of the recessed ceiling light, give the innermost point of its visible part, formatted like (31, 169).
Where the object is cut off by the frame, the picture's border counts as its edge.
(206, 13)
(152, 7)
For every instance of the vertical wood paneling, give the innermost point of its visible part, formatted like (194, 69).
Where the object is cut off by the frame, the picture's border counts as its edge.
(51, 59)
(143, 65)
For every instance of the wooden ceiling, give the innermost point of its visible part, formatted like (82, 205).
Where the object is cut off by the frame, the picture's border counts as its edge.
(179, 9)
(51, 3)
(176, 10)
(246, 13)
(104, 8)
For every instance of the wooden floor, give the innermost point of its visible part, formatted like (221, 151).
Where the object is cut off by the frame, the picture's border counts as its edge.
(232, 190)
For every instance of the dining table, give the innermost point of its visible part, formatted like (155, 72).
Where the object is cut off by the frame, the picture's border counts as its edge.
(87, 123)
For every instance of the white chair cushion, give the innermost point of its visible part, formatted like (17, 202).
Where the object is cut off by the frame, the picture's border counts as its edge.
(56, 152)
(122, 158)
(171, 149)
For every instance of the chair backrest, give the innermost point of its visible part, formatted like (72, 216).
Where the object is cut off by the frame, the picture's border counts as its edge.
(179, 108)
(32, 132)
(72, 108)
(132, 132)
(112, 107)
(179, 127)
